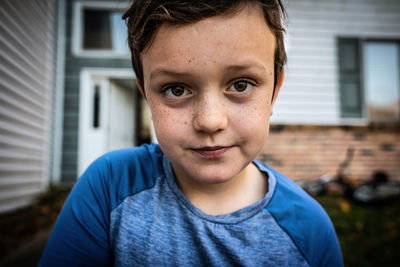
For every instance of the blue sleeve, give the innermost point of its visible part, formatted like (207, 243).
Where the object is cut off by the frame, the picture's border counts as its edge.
(80, 236)
(306, 222)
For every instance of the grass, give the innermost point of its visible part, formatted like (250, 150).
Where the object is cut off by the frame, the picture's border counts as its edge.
(368, 234)
(21, 226)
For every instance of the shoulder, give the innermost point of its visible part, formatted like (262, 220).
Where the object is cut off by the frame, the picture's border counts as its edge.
(81, 234)
(145, 161)
(123, 172)
(305, 221)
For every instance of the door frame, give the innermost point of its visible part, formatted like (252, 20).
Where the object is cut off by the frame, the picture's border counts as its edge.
(86, 78)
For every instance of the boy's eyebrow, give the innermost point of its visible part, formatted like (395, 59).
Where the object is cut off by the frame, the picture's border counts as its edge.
(242, 67)
(230, 68)
(166, 72)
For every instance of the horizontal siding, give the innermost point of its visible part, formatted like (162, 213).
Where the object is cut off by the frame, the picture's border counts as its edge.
(22, 37)
(313, 28)
(26, 56)
(14, 200)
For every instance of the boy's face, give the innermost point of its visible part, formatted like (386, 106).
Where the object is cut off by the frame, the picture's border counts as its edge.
(209, 86)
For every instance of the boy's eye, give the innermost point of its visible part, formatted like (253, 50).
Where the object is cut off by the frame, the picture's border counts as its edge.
(176, 91)
(241, 86)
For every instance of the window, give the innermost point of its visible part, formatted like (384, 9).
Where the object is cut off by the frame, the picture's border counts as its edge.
(99, 30)
(381, 82)
(370, 79)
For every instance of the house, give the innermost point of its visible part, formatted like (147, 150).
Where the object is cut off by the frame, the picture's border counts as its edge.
(341, 91)
(103, 110)
(28, 93)
(341, 96)
(64, 64)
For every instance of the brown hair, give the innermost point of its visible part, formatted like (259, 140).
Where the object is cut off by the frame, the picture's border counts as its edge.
(145, 17)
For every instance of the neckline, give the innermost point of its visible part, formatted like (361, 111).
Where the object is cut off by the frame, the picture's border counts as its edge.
(230, 218)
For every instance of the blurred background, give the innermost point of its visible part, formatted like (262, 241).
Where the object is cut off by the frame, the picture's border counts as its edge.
(68, 95)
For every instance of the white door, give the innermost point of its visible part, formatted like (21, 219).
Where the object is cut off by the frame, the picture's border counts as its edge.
(107, 117)
(121, 126)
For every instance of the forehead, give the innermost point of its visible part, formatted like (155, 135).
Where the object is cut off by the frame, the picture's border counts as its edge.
(241, 36)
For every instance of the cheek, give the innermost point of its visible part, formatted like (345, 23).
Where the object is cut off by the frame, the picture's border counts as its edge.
(167, 123)
(254, 114)
(252, 125)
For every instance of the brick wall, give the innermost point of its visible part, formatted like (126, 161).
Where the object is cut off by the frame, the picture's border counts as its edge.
(307, 152)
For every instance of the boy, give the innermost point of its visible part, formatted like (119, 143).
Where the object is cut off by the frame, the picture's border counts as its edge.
(211, 72)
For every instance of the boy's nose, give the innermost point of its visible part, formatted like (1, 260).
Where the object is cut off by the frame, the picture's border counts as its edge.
(210, 116)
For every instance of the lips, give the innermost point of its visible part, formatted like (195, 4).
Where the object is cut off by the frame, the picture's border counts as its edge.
(213, 152)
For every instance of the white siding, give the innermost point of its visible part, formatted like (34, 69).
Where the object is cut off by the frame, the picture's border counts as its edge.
(26, 70)
(310, 94)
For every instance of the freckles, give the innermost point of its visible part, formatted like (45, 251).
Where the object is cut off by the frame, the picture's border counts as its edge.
(254, 114)
(159, 114)
(163, 114)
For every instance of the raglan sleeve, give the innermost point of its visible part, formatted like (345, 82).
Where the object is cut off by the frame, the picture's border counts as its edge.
(320, 245)
(332, 252)
(306, 222)
(80, 236)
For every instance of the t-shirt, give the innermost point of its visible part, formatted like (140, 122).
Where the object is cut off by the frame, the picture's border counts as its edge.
(127, 210)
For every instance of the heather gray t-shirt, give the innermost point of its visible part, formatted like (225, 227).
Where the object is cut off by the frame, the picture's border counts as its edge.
(127, 210)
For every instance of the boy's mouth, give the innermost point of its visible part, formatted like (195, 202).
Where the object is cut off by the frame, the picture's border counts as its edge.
(212, 152)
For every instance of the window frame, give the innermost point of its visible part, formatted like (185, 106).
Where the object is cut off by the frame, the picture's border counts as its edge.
(77, 29)
(362, 41)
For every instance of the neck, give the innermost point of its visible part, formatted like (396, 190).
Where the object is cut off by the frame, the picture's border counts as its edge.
(246, 188)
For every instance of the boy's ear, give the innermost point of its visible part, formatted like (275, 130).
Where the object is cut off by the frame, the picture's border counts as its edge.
(276, 90)
(278, 85)
(140, 87)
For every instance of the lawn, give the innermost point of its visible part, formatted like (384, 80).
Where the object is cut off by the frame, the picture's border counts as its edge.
(369, 235)
(21, 226)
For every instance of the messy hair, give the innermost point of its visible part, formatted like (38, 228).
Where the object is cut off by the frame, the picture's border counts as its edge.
(145, 17)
